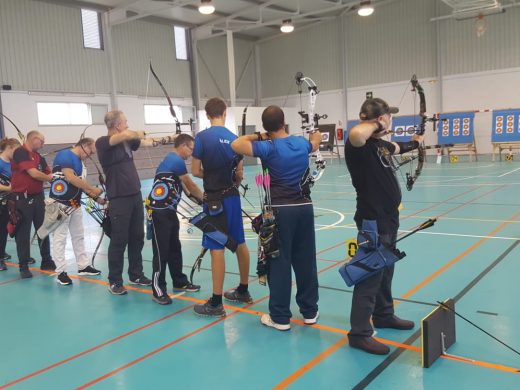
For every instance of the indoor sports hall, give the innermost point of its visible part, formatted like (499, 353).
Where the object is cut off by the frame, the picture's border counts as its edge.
(432, 83)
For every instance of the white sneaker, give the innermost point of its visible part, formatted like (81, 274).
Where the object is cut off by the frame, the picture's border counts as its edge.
(313, 320)
(267, 321)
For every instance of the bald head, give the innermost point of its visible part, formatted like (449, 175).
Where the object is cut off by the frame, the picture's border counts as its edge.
(273, 119)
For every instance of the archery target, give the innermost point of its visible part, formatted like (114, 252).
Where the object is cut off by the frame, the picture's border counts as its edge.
(410, 130)
(498, 124)
(59, 187)
(159, 191)
(509, 124)
(399, 130)
(456, 127)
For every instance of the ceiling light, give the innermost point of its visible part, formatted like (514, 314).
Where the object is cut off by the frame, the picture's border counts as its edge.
(287, 26)
(365, 8)
(206, 7)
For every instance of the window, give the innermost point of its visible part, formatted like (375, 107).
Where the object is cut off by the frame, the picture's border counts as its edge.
(181, 46)
(157, 114)
(56, 114)
(91, 21)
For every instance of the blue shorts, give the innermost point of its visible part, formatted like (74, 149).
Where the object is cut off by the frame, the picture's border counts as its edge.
(233, 211)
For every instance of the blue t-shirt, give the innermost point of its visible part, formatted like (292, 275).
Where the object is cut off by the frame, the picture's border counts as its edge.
(61, 190)
(287, 160)
(5, 172)
(167, 187)
(213, 149)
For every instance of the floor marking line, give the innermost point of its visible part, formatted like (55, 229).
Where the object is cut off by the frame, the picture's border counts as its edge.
(95, 348)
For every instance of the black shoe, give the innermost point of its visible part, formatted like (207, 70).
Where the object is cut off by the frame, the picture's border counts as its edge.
(88, 270)
(368, 344)
(117, 289)
(188, 287)
(3, 267)
(31, 261)
(5, 256)
(236, 296)
(141, 281)
(25, 274)
(48, 265)
(208, 310)
(64, 279)
(162, 300)
(393, 322)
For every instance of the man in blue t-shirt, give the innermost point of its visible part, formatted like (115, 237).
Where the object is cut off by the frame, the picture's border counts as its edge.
(286, 158)
(68, 184)
(170, 178)
(221, 170)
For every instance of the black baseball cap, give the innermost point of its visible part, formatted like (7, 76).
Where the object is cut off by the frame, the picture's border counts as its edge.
(374, 108)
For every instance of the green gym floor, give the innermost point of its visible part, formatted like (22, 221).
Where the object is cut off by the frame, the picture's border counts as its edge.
(80, 336)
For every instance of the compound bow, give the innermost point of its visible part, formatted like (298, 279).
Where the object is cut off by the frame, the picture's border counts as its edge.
(310, 125)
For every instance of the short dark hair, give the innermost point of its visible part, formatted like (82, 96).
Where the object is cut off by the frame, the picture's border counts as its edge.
(182, 139)
(215, 107)
(273, 118)
(84, 142)
(374, 108)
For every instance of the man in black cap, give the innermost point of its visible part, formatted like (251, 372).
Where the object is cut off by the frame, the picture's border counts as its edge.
(368, 159)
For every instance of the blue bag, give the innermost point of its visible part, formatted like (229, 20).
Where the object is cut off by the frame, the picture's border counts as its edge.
(371, 257)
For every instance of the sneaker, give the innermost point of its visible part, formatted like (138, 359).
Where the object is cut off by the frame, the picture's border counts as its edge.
(141, 281)
(393, 322)
(236, 296)
(5, 256)
(188, 287)
(89, 271)
(31, 261)
(117, 289)
(25, 274)
(63, 279)
(368, 344)
(47, 265)
(3, 267)
(267, 321)
(208, 310)
(162, 300)
(313, 320)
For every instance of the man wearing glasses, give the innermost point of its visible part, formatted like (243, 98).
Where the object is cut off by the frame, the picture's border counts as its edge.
(26, 204)
(368, 159)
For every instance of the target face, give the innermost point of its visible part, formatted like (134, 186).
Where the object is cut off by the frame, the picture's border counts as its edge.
(60, 187)
(160, 191)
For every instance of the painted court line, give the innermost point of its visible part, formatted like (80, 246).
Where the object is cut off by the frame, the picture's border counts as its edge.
(508, 173)
(237, 309)
(328, 351)
(87, 351)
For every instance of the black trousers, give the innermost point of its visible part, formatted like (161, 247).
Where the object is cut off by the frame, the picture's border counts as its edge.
(166, 251)
(373, 296)
(127, 218)
(297, 249)
(32, 212)
(4, 218)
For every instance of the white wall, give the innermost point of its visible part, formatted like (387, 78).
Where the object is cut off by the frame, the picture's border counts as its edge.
(20, 107)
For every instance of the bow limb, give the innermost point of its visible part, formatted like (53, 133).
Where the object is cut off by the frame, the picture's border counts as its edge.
(21, 136)
(413, 175)
(170, 104)
(101, 178)
(245, 187)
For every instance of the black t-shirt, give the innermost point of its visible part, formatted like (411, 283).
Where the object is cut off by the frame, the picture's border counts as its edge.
(119, 168)
(377, 188)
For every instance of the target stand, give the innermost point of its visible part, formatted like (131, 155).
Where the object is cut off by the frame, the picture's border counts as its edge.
(438, 333)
